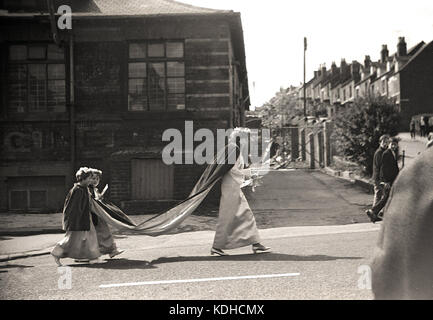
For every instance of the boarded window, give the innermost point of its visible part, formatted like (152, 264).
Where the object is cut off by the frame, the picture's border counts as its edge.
(18, 199)
(151, 179)
(36, 193)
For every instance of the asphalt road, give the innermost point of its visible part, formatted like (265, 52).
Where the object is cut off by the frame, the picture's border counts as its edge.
(301, 266)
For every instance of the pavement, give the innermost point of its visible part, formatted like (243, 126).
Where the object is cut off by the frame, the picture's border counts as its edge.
(412, 147)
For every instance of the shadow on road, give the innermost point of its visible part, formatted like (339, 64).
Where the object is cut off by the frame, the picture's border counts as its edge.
(252, 257)
(8, 266)
(119, 264)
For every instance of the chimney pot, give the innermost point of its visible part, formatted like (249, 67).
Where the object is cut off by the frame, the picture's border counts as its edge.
(384, 53)
(401, 47)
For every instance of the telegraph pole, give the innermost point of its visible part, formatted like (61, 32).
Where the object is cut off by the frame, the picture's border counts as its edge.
(305, 97)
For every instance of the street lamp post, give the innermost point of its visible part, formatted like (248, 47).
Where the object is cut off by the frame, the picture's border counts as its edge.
(305, 98)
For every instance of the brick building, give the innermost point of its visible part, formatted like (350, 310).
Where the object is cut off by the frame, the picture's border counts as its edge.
(102, 93)
(406, 76)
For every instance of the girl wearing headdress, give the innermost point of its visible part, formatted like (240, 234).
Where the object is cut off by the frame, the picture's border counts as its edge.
(80, 241)
(104, 235)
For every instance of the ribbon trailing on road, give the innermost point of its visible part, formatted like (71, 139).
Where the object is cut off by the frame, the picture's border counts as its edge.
(170, 219)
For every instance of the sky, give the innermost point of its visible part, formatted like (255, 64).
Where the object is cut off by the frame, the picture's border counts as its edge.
(335, 29)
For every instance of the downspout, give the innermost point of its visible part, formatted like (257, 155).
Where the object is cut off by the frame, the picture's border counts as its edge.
(54, 30)
(72, 105)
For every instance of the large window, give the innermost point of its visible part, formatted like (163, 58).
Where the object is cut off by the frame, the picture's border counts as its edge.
(156, 76)
(36, 79)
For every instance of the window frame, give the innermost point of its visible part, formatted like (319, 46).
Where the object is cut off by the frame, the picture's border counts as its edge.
(28, 205)
(149, 60)
(34, 61)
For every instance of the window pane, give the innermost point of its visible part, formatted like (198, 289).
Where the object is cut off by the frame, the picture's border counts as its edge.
(156, 86)
(56, 71)
(37, 52)
(176, 102)
(55, 53)
(137, 70)
(174, 49)
(56, 96)
(17, 52)
(157, 95)
(18, 200)
(38, 199)
(37, 87)
(156, 50)
(17, 97)
(18, 72)
(156, 70)
(176, 85)
(137, 50)
(175, 69)
(137, 99)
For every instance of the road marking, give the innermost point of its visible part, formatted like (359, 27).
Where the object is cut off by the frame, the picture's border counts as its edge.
(198, 280)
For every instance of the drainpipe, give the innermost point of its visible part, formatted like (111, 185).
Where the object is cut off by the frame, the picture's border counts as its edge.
(54, 30)
(72, 105)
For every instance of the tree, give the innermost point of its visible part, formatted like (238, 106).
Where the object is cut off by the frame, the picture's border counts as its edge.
(280, 109)
(357, 129)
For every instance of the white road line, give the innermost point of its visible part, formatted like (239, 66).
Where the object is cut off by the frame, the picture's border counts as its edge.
(197, 280)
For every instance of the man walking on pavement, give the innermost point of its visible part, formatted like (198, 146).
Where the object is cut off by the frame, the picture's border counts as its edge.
(387, 173)
(377, 163)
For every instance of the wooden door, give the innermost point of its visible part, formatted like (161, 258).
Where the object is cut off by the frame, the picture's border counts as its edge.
(151, 179)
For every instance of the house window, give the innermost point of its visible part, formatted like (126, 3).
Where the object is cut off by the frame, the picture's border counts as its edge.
(156, 76)
(383, 86)
(36, 79)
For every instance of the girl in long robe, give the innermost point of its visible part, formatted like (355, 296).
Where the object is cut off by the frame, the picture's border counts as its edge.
(104, 235)
(236, 223)
(80, 241)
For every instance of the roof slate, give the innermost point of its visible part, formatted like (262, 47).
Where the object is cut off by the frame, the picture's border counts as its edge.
(129, 8)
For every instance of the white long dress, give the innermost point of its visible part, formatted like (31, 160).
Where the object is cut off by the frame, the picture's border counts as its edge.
(236, 223)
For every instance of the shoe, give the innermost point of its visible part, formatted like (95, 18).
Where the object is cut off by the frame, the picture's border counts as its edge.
(257, 248)
(116, 253)
(97, 261)
(373, 218)
(218, 252)
(81, 260)
(57, 260)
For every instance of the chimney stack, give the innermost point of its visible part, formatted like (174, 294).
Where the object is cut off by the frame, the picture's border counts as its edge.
(343, 66)
(324, 69)
(333, 68)
(384, 53)
(367, 62)
(354, 67)
(401, 47)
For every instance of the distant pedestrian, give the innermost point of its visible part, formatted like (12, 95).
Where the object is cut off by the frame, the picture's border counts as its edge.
(387, 174)
(422, 126)
(402, 267)
(412, 129)
(428, 127)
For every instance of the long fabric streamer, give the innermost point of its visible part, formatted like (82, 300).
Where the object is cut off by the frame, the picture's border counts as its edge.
(170, 219)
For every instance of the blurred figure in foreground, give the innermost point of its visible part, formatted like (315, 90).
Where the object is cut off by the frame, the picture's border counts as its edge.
(402, 266)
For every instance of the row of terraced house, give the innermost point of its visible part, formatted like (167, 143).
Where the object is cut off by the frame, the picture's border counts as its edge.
(405, 76)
